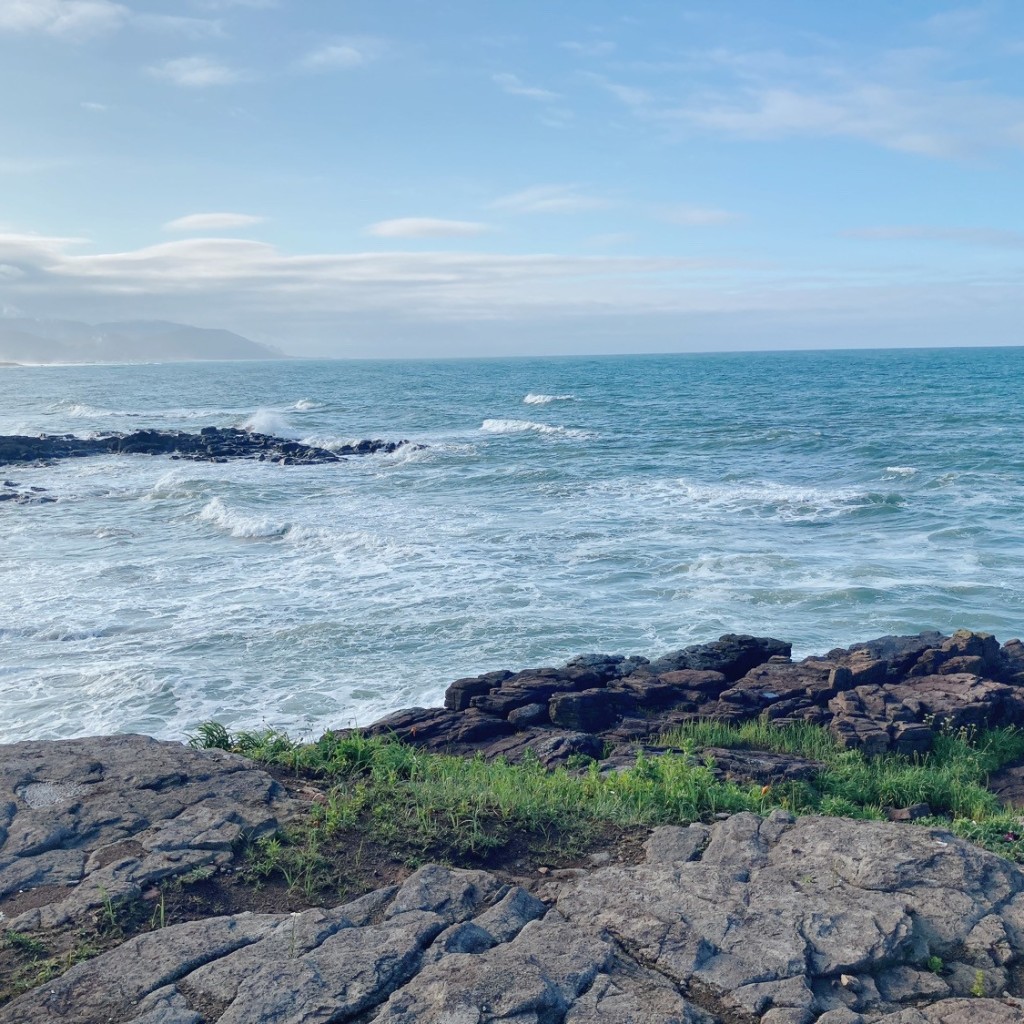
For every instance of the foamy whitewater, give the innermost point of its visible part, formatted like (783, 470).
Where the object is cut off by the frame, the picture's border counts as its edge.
(630, 505)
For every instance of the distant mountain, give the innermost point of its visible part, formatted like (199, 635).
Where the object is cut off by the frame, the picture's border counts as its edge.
(134, 341)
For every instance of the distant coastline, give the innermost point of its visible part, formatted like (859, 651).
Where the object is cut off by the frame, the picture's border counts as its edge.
(72, 343)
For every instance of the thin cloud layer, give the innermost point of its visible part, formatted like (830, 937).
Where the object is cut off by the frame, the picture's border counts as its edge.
(257, 288)
(427, 227)
(995, 237)
(550, 199)
(75, 19)
(514, 86)
(197, 72)
(907, 100)
(343, 54)
(697, 216)
(213, 222)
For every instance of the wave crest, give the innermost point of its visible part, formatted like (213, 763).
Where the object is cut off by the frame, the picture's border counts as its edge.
(240, 525)
(527, 426)
(533, 399)
(268, 421)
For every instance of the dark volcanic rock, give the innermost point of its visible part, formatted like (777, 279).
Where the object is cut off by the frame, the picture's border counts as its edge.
(899, 653)
(733, 655)
(211, 444)
(589, 711)
(19, 495)
(889, 694)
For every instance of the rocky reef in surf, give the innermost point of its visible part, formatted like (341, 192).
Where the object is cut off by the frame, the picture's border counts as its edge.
(890, 694)
(211, 444)
(19, 494)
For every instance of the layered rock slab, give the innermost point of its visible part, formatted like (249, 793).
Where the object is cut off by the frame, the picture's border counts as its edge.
(89, 821)
(890, 694)
(749, 921)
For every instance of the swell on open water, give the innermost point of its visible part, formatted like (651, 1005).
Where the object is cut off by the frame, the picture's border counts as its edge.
(622, 504)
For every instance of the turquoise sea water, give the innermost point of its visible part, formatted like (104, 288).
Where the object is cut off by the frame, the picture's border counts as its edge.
(622, 504)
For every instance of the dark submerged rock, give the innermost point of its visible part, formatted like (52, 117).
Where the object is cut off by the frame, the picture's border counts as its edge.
(211, 444)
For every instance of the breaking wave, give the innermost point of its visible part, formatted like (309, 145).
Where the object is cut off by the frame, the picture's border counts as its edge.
(532, 399)
(528, 426)
(238, 524)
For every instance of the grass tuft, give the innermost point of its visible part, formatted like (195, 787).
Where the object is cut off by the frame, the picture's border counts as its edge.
(453, 808)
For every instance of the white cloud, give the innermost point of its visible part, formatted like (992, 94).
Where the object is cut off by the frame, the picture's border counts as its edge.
(906, 100)
(238, 273)
(349, 52)
(999, 238)
(427, 227)
(398, 302)
(591, 48)
(220, 5)
(74, 19)
(93, 107)
(213, 222)
(697, 216)
(195, 72)
(550, 199)
(512, 85)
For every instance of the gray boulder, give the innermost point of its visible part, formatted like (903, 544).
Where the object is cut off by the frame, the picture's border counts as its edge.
(84, 822)
(749, 921)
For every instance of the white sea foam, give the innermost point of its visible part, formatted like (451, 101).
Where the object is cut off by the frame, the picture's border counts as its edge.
(238, 524)
(903, 471)
(526, 426)
(306, 405)
(81, 411)
(532, 399)
(84, 411)
(268, 421)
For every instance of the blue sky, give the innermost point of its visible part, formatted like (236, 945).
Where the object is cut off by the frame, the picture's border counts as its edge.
(455, 178)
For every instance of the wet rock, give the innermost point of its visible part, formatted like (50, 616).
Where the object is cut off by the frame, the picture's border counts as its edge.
(20, 495)
(211, 444)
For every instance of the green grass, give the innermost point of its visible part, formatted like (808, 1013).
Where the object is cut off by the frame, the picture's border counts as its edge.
(38, 967)
(454, 808)
(757, 734)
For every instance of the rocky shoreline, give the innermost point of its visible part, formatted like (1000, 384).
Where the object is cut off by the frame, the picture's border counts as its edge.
(751, 919)
(890, 694)
(211, 444)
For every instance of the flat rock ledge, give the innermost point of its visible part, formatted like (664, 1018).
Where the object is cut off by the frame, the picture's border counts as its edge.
(211, 444)
(889, 694)
(750, 921)
(84, 822)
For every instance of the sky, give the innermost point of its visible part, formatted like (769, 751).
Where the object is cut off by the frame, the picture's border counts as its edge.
(475, 177)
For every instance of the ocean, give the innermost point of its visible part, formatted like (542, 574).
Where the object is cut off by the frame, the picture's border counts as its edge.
(563, 505)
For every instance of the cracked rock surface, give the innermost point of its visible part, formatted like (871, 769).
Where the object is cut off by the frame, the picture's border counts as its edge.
(750, 921)
(90, 820)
